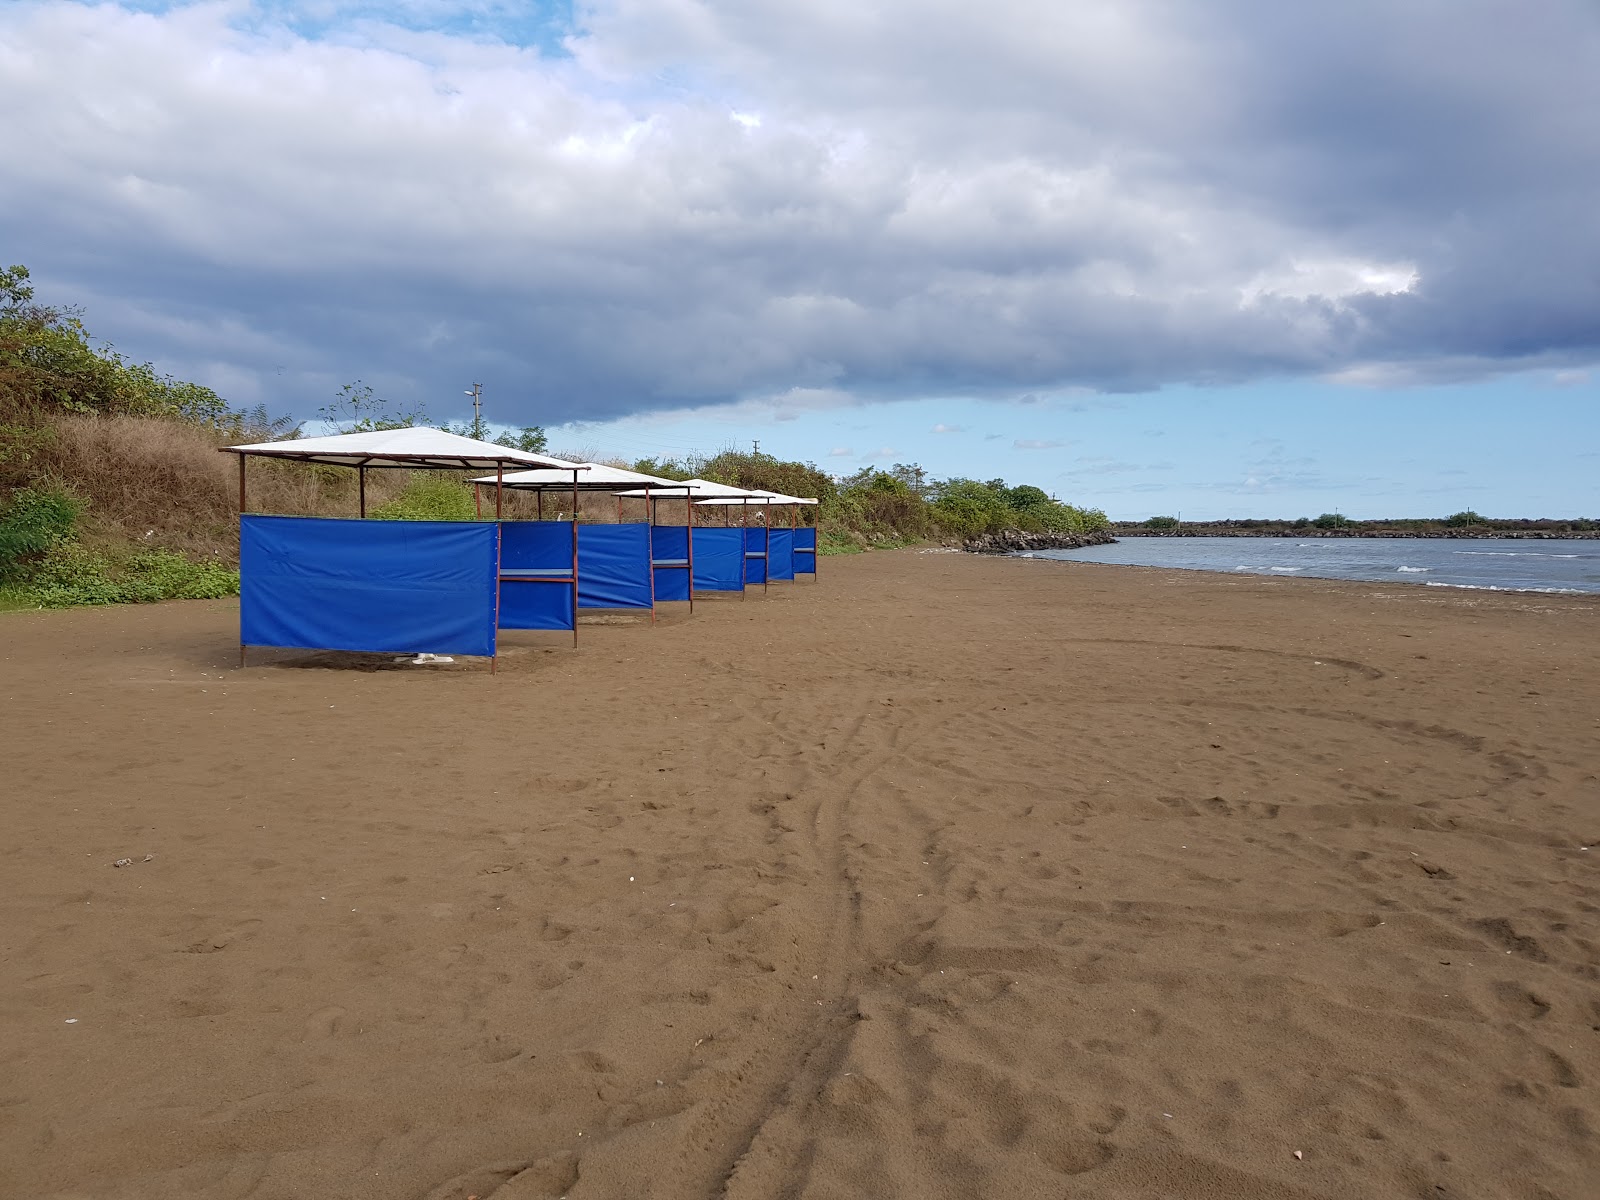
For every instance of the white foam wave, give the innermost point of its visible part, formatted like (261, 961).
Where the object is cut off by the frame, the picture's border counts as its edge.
(1413, 570)
(1515, 554)
(1490, 587)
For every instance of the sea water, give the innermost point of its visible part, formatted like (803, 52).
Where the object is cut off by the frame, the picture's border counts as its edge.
(1498, 564)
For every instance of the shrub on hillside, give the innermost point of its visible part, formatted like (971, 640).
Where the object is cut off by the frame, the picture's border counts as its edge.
(33, 521)
(430, 497)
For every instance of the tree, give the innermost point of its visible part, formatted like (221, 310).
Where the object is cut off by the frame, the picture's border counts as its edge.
(1025, 496)
(1465, 517)
(530, 439)
(47, 361)
(1331, 521)
(1161, 523)
(356, 409)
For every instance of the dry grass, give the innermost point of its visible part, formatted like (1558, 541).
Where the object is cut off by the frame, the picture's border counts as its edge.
(163, 483)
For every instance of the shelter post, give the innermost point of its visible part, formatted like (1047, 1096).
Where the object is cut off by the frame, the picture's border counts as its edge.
(499, 536)
(499, 486)
(650, 547)
(540, 495)
(744, 548)
(477, 501)
(688, 521)
(241, 485)
(574, 558)
(766, 546)
(361, 490)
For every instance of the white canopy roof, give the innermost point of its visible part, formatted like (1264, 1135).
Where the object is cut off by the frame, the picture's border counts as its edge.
(414, 446)
(704, 487)
(774, 499)
(595, 475)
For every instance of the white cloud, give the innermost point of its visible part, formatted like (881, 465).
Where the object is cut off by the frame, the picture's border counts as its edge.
(1037, 444)
(705, 203)
(943, 428)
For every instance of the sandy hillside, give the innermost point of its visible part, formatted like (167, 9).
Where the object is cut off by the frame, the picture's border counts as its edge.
(944, 877)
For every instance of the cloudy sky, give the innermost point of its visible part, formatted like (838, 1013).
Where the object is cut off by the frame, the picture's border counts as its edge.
(1232, 257)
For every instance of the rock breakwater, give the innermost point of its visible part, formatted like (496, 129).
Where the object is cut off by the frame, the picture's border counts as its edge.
(1011, 541)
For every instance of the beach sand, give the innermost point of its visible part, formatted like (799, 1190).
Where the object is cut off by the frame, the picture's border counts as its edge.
(942, 877)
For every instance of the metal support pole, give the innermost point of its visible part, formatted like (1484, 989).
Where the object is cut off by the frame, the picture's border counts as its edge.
(499, 535)
(361, 489)
(766, 545)
(574, 559)
(499, 487)
(477, 500)
(241, 485)
(688, 523)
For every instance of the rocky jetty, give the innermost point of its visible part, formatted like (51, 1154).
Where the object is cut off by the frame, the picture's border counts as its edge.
(1012, 541)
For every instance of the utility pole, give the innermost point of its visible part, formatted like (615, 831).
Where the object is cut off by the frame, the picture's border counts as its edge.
(757, 445)
(477, 410)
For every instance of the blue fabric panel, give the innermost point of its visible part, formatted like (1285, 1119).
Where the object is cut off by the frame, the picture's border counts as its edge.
(805, 550)
(718, 560)
(545, 545)
(536, 546)
(755, 569)
(614, 566)
(537, 604)
(670, 543)
(407, 587)
(780, 555)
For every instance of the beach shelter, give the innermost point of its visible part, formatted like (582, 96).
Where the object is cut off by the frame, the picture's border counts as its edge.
(773, 550)
(611, 566)
(724, 559)
(410, 587)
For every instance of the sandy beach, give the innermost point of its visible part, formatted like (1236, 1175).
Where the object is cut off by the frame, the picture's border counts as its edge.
(943, 877)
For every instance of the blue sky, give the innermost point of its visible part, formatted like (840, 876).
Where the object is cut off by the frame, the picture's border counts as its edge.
(1226, 257)
(1522, 446)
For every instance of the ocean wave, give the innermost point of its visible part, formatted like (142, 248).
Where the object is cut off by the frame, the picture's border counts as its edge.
(1492, 587)
(1413, 570)
(1517, 554)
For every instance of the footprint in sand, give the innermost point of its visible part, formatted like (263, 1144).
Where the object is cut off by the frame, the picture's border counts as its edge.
(324, 1023)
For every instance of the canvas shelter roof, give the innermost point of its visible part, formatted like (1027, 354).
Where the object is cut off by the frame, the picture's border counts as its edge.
(595, 475)
(414, 446)
(704, 487)
(774, 499)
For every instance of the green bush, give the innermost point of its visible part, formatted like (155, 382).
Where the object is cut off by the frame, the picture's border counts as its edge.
(431, 497)
(70, 574)
(34, 521)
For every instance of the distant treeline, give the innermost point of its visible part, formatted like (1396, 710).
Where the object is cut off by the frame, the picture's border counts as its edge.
(1466, 524)
(890, 506)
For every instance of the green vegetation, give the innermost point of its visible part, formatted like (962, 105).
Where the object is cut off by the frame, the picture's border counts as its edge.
(43, 564)
(1162, 523)
(430, 496)
(877, 508)
(47, 362)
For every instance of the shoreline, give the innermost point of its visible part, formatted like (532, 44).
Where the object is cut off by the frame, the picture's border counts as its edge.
(940, 877)
(1302, 576)
(1509, 535)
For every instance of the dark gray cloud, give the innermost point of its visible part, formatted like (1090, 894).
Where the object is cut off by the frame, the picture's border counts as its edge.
(701, 204)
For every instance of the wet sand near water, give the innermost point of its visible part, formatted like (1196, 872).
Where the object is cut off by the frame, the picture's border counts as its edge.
(944, 877)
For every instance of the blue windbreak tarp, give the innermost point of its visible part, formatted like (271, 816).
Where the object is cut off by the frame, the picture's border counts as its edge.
(407, 587)
(755, 554)
(614, 566)
(669, 550)
(805, 550)
(535, 575)
(718, 560)
(780, 555)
